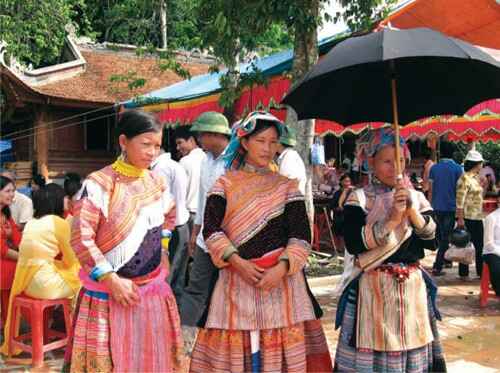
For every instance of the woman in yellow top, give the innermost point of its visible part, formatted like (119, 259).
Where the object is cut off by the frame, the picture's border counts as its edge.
(470, 208)
(39, 274)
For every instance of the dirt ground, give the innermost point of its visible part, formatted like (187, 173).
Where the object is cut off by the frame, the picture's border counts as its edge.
(470, 335)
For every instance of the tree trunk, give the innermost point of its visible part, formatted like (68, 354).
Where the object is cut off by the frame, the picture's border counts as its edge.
(305, 56)
(163, 23)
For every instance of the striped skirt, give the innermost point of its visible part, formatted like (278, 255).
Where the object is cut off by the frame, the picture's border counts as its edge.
(143, 338)
(299, 348)
(348, 358)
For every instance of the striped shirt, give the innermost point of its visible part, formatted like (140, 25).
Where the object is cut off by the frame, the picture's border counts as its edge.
(470, 196)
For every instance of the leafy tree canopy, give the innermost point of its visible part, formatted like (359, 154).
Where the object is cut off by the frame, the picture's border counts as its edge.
(34, 29)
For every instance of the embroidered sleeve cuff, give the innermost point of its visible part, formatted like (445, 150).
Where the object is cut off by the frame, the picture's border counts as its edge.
(297, 252)
(228, 252)
(375, 235)
(100, 270)
(428, 231)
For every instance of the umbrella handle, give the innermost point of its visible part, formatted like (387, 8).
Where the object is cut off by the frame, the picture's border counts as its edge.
(397, 148)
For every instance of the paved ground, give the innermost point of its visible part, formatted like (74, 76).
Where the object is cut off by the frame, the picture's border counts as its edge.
(470, 334)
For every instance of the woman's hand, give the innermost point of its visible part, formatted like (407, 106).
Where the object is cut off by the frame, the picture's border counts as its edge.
(273, 276)
(401, 202)
(123, 290)
(250, 272)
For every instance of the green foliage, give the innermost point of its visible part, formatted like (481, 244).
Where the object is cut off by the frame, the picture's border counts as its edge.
(34, 29)
(491, 153)
(360, 15)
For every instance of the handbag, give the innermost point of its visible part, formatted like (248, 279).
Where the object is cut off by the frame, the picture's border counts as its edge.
(464, 255)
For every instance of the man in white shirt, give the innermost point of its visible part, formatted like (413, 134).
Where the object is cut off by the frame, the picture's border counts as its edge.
(491, 248)
(22, 206)
(178, 254)
(213, 133)
(289, 161)
(192, 158)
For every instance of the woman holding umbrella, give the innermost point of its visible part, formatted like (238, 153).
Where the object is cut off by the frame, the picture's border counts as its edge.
(387, 310)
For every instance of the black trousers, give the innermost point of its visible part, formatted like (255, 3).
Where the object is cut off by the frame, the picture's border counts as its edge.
(494, 266)
(476, 230)
(178, 257)
(193, 307)
(445, 221)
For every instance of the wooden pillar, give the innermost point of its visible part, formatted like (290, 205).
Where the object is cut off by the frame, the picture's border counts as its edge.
(42, 125)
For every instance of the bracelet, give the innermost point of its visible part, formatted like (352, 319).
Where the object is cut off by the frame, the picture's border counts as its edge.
(104, 276)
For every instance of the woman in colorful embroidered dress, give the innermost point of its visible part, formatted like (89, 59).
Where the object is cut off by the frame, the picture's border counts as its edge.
(387, 312)
(126, 319)
(262, 314)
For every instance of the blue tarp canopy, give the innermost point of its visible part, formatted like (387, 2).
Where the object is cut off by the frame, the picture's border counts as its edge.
(5, 145)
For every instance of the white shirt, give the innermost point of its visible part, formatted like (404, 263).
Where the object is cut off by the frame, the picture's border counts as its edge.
(192, 164)
(492, 233)
(21, 208)
(177, 183)
(211, 169)
(292, 166)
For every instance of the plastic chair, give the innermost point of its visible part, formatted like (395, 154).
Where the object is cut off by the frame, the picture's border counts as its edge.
(485, 290)
(40, 333)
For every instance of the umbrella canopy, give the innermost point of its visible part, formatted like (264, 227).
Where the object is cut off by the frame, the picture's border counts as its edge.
(434, 74)
(482, 128)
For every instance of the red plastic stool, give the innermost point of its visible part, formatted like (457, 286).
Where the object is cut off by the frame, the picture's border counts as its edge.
(485, 286)
(40, 332)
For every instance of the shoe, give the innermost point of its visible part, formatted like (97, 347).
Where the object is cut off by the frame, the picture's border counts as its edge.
(437, 273)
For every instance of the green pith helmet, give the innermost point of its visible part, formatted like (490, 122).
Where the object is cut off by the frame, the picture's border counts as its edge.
(289, 136)
(211, 121)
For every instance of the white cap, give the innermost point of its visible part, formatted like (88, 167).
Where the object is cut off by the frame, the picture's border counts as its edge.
(474, 156)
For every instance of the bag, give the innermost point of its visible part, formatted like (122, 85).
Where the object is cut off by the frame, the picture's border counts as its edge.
(464, 255)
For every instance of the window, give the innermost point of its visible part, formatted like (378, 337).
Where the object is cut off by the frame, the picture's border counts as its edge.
(98, 131)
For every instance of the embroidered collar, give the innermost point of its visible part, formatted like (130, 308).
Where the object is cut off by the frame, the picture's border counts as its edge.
(258, 170)
(126, 169)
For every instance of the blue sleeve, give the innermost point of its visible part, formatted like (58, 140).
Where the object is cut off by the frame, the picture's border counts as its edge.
(431, 173)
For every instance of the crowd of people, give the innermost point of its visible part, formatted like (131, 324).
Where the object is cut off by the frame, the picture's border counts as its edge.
(205, 256)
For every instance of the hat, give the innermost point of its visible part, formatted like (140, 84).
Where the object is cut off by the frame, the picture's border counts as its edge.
(211, 121)
(234, 154)
(474, 156)
(289, 136)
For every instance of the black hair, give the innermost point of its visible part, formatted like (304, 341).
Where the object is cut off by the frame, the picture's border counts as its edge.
(184, 132)
(48, 200)
(39, 180)
(263, 125)
(344, 176)
(446, 149)
(133, 123)
(4, 181)
(72, 183)
(427, 153)
(469, 165)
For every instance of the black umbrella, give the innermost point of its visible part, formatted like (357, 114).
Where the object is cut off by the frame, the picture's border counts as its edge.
(410, 73)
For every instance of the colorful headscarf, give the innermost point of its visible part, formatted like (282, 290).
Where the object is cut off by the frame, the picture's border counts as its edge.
(234, 154)
(374, 140)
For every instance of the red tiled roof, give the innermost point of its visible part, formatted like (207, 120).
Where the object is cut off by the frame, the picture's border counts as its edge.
(94, 84)
(475, 21)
